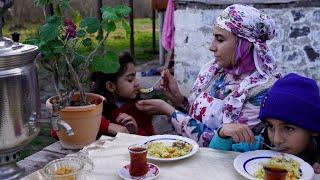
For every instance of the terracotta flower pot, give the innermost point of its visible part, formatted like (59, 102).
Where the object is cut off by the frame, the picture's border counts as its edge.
(84, 121)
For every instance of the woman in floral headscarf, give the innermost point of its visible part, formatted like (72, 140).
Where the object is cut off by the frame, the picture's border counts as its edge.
(228, 89)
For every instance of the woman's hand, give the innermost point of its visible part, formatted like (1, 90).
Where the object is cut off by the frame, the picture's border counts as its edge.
(155, 106)
(316, 168)
(128, 121)
(170, 87)
(113, 129)
(238, 132)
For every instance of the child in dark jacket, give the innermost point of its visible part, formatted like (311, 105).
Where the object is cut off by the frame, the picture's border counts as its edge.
(291, 111)
(120, 90)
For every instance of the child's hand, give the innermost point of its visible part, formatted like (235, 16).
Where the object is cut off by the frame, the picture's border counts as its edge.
(238, 132)
(128, 121)
(316, 168)
(155, 106)
(113, 129)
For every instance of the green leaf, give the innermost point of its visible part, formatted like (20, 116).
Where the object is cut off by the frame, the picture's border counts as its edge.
(87, 42)
(49, 32)
(108, 26)
(54, 20)
(109, 14)
(76, 17)
(58, 49)
(126, 27)
(64, 4)
(57, 10)
(78, 59)
(51, 48)
(62, 68)
(32, 41)
(86, 82)
(91, 24)
(99, 37)
(81, 33)
(107, 64)
(51, 29)
(46, 51)
(122, 10)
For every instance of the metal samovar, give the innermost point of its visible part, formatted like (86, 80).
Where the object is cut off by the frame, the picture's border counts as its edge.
(19, 99)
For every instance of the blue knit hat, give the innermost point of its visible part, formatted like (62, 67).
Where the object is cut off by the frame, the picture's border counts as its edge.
(295, 100)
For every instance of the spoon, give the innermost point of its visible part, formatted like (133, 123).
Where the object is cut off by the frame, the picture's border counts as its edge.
(150, 89)
(97, 144)
(272, 147)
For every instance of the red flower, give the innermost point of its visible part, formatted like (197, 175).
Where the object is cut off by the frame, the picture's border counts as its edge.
(70, 29)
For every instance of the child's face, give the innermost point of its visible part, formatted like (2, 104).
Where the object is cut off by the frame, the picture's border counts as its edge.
(127, 85)
(290, 138)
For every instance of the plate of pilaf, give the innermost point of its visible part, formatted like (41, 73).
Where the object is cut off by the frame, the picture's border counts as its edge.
(170, 147)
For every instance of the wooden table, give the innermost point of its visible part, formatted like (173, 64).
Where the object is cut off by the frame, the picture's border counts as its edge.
(38, 160)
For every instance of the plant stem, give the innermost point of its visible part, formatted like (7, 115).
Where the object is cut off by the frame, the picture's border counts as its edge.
(89, 57)
(77, 79)
(55, 79)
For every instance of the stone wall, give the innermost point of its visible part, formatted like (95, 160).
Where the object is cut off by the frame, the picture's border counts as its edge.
(296, 46)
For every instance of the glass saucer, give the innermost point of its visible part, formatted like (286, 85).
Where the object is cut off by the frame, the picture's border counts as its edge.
(153, 172)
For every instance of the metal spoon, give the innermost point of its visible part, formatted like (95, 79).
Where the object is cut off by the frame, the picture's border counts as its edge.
(272, 147)
(97, 144)
(150, 89)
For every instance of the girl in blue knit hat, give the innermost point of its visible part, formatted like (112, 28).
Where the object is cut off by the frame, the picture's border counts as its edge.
(291, 112)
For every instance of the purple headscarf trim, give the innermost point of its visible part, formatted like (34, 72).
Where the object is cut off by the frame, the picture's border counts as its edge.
(244, 62)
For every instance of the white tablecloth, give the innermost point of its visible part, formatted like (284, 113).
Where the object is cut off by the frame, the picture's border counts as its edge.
(205, 164)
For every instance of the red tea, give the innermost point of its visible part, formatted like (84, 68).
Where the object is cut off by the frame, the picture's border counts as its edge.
(274, 173)
(138, 160)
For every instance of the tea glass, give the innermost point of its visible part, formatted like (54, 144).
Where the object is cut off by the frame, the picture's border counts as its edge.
(138, 160)
(274, 173)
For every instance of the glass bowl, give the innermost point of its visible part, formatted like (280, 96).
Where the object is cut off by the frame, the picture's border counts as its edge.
(67, 168)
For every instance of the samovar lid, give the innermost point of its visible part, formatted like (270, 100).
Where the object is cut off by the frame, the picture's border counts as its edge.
(15, 54)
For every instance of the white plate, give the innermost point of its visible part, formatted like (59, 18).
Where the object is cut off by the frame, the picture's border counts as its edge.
(249, 162)
(169, 139)
(153, 172)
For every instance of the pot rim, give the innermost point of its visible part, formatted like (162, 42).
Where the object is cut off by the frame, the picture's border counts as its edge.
(77, 108)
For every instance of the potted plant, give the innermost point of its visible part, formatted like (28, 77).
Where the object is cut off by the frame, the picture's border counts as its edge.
(71, 48)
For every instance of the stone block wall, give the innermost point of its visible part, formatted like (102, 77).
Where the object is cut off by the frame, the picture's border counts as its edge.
(296, 46)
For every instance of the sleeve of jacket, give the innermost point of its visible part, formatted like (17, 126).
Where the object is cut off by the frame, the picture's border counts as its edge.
(220, 143)
(227, 144)
(192, 128)
(104, 126)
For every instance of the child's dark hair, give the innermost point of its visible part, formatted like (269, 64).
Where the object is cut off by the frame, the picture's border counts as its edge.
(99, 79)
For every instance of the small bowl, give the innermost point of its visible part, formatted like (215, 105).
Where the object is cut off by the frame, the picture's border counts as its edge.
(72, 167)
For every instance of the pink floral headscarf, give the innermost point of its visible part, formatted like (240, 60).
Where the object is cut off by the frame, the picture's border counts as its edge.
(256, 27)
(249, 25)
(243, 54)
